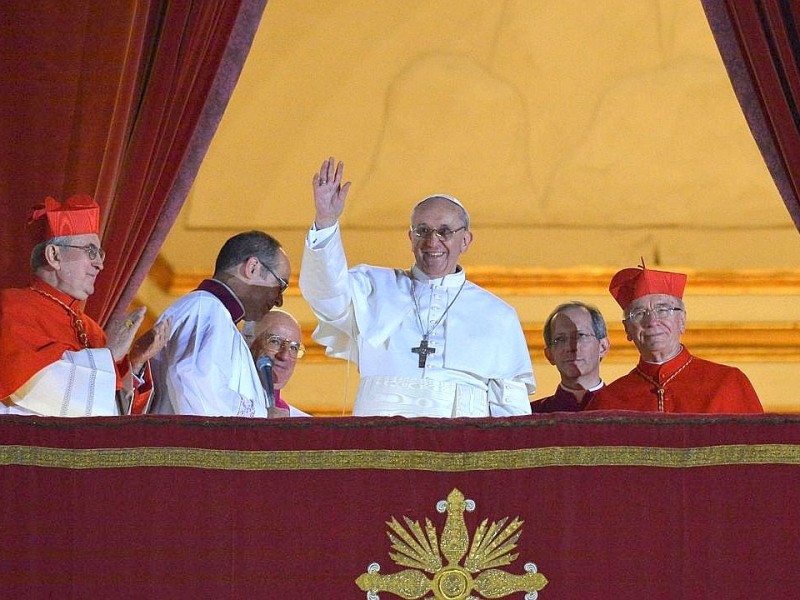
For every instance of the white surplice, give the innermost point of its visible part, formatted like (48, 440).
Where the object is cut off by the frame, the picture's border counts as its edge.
(367, 314)
(79, 384)
(206, 367)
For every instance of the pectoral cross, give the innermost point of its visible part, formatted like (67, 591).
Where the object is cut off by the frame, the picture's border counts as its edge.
(423, 350)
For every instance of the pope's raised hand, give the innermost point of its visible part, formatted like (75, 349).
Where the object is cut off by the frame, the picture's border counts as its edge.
(329, 193)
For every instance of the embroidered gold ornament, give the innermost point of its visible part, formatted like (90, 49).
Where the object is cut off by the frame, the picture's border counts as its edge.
(457, 567)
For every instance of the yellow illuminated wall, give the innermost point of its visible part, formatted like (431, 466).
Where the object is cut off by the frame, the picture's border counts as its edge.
(581, 136)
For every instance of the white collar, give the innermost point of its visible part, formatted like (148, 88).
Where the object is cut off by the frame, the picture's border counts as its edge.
(594, 388)
(456, 279)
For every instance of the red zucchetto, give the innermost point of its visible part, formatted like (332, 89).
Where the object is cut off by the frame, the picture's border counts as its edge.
(630, 284)
(77, 215)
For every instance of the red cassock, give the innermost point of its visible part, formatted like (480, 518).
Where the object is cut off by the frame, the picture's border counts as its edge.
(690, 385)
(35, 331)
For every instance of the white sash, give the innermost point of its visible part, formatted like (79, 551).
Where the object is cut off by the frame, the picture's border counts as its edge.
(405, 397)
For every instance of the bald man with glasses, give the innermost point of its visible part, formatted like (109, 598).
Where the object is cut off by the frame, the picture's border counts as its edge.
(427, 341)
(278, 336)
(668, 378)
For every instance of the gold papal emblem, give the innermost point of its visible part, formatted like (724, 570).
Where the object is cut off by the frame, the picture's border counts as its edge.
(469, 567)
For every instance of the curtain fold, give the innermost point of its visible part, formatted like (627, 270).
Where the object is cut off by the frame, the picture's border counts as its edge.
(759, 42)
(119, 100)
(209, 52)
(60, 64)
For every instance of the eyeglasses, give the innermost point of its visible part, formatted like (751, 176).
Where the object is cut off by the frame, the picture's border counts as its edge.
(276, 342)
(659, 312)
(443, 233)
(281, 281)
(581, 337)
(90, 249)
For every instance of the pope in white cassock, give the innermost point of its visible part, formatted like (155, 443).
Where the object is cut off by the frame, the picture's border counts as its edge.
(427, 342)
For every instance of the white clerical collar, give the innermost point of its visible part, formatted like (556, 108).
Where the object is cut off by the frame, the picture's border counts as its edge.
(452, 280)
(594, 388)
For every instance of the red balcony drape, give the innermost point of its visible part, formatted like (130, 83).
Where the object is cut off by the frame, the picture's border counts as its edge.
(613, 505)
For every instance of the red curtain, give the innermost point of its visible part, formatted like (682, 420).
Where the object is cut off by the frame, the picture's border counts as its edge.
(119, 100)
(759, 41)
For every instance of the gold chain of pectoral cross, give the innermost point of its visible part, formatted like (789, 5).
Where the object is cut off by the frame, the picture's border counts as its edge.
(77, 322)
(660, 386)
(424, 349)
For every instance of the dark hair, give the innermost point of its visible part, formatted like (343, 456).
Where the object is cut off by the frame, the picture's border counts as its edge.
(244, 245)
(598, 322)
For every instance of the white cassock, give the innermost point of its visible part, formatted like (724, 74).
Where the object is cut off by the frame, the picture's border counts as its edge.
(480, 367)
(80, 384)
(206, 367)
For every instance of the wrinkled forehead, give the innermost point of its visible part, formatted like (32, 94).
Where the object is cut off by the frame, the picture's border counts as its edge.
(652, 300)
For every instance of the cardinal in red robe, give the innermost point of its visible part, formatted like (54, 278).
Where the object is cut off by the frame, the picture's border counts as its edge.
(668, 378)
(56, 360)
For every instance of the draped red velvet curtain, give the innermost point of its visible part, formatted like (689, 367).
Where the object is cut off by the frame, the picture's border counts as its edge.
(119, 100)
(759, 41)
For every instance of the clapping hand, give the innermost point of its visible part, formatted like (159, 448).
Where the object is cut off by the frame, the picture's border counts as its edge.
(147, 346)
(120, 333)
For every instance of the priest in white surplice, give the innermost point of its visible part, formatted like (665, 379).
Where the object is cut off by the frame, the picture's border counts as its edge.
(206, 367)
(427, 342)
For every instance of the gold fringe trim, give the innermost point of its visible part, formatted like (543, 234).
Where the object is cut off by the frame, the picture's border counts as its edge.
(391, 460)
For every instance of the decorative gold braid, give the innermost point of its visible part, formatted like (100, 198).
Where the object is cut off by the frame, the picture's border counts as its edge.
(77, 323)
(660, 387)
(396, 460)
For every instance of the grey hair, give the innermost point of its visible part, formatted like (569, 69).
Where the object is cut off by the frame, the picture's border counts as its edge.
(38, 259)
(598, 322)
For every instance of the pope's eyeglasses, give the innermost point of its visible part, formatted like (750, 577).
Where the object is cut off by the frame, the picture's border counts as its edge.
(90, 249)
(443, 233)
(658, 313)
